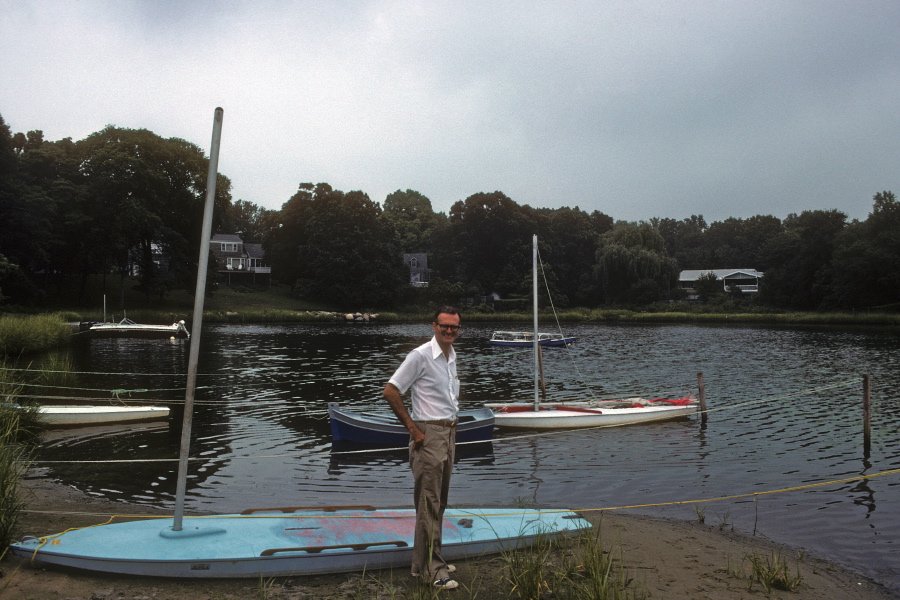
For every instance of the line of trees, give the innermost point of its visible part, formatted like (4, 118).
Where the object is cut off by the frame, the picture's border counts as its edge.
(126, 202)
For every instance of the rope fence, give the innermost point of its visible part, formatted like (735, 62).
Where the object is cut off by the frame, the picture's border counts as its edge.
(550, 510)
(497, 440)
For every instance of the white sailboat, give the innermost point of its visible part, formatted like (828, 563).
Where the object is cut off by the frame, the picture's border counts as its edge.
(593, 413)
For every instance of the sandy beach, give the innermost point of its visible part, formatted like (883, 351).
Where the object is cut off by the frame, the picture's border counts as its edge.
(667, 558)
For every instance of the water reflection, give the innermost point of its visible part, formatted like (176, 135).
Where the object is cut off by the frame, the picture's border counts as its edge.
(786, 411)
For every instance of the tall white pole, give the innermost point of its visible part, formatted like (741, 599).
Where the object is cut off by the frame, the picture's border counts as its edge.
(197, 323)
(534, 287)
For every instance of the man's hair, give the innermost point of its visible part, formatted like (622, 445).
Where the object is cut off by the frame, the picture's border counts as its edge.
(447, 310)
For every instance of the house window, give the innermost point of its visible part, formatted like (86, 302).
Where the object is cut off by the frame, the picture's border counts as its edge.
(229, 247)
(413, 264)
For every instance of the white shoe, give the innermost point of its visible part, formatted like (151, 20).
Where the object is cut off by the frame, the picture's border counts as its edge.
(446, 584)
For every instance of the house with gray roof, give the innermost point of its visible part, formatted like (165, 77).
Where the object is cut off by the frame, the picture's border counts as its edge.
(239, 263)
(745, 280)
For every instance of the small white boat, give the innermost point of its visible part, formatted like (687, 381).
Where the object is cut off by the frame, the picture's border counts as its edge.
(601, 413)
(58, 416)
(128, 328)
(580, 414)
(525, 339)
(291, 541)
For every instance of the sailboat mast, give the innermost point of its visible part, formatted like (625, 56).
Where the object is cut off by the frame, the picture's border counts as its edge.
(199, 296)
(534, 289)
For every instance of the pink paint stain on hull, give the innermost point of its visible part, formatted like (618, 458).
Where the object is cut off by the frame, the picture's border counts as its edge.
(322, 530)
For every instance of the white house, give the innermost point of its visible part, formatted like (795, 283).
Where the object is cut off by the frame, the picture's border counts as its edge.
(745, 280)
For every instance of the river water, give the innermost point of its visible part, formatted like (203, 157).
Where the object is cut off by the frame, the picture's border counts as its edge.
(785, 412)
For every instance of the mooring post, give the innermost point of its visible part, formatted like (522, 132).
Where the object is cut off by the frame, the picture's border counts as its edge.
(702, 392)
(867, 388)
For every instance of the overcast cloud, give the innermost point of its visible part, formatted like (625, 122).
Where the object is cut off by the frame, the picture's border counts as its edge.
(635, 109)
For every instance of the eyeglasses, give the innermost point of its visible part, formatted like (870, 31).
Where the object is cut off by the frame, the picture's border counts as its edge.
(449, 328)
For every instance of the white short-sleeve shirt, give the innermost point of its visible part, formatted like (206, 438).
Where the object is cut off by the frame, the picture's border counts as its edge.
(432, 378)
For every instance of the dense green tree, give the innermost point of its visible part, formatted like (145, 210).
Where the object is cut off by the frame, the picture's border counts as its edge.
(26, 226)
(491, 237)
(288, 232)
(413, 220)
(8, 193)
(342, 252)
(738, 243)
(684, 240)
(569, 238)
(248, 220)
(146, 200)
(632, 264)
(866, 261)
(797, 261)
(729, 244)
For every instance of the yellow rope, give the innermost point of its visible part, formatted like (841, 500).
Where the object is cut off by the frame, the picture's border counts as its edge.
(462, 511)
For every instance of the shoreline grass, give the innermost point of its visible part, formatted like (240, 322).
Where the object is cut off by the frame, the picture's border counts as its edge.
(22, 335)
(20, 429)
(275, 305)
(19, 337)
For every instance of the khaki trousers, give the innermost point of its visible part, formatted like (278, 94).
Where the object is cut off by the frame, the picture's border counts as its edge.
(432, 464)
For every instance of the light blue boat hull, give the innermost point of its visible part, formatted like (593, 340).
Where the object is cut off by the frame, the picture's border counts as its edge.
(270, 542)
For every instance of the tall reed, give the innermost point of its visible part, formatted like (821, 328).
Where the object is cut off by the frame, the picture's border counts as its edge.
(599, 576)
(54, 371)
(19, 430)
(31, 334)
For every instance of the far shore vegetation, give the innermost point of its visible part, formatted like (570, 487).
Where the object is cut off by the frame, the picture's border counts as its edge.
(24, 332)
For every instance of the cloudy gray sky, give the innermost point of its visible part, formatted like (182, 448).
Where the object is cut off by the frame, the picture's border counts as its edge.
(637, 109)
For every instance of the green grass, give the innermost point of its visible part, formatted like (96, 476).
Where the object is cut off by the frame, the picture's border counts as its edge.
(771, 571)
(579, 569)
(274, 304)
(774, 572)
(20, 428)
(21, 335)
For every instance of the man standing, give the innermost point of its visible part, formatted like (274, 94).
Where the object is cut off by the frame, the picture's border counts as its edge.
(430, 372)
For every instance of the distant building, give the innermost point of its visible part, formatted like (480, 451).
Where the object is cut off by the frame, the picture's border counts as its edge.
(745, 280)
(238, 263)
(419, 273)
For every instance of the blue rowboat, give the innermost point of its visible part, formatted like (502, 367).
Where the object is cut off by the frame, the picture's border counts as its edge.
(279, 542)
(383, 428)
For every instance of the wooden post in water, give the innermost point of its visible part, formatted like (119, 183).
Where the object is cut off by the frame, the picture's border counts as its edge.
(867, 424)
(702, 393)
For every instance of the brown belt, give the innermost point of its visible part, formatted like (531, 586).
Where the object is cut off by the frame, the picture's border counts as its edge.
(442, 423)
